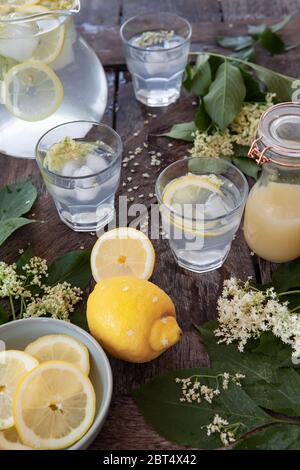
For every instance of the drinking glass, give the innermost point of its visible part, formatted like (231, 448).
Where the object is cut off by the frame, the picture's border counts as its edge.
(200, 232)
(156, 47)
(84, 202)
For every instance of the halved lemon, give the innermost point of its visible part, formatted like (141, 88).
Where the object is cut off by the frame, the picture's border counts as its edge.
(54, 406)
(123, 251)
(60, 348)
(32, 91)
(10, 440)
(13, 366)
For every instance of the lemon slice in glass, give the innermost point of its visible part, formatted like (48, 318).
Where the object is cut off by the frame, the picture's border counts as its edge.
(54, 406)
(10, 440)
(13, 366)
(32, 91)
(124, 251)
(60, 348)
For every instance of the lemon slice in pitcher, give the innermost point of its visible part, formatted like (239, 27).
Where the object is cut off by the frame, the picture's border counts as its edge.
(10, 440)
(54, 406)
(32, 91)
(18, 3)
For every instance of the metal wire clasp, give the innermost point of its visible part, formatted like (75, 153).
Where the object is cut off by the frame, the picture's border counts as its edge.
(255, 153)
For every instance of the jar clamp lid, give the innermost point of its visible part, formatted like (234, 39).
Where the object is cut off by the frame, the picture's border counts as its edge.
(278, 136)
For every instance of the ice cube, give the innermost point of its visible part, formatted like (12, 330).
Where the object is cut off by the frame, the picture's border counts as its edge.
(84, 184)
(20, 42)
(86, 194)
(96, 163)
(214, 206)
(83, 171)
(69, 168)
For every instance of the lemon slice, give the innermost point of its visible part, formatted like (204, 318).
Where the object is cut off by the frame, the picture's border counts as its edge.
(10, 440)
(13, 366)
(123, 252)
(54, 406)
(32, 91)
(60, 348)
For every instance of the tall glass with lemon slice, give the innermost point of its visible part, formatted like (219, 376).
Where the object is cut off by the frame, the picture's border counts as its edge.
(201, 204)
(48, 74)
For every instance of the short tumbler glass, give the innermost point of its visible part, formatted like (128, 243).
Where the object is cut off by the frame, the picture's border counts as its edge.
(201, 227)
(156, 47)
(84, 202)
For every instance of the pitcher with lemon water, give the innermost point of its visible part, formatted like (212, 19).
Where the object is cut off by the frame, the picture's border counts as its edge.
(48, 73)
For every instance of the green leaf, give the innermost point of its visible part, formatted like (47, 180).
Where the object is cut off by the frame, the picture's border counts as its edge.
(272, 42)
(184, 131)
(256, 30)
(78, 318)
(247, 166)
(9, 226)
(270, 345)
(24, 259)
(283, 23)
(3, 315)
(16, 199)
(215, 62)
(198, 77)
(202, 119)
(287, 276)
(202, 165)
(74, 267)
(185, 423)
(226, 95)
(235, 43)
(246, 54)
(274, 437)
(5, 64)
(275, 82)
(253, 89)
(252, 365)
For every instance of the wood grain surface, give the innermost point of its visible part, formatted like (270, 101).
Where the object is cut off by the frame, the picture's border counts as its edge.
(194, 295)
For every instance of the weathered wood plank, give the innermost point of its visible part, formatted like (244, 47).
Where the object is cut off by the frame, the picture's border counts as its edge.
(250, 9)
(204, 10)
(99, 12)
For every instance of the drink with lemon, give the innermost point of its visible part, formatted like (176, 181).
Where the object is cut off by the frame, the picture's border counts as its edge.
(201, 203)
(43, 62)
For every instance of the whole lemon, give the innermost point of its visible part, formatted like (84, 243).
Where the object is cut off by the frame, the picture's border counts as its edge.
(132, 318)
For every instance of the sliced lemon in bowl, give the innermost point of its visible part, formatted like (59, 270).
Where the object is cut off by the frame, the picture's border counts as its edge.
(13, 366)
(10, 440)
(60, 348)
(54, 406)
(123, 251)
(32, 91)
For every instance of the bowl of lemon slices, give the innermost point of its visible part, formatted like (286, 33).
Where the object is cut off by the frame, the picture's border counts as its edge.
(55, 386)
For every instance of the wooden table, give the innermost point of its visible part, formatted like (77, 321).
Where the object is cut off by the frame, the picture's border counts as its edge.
(194, 295)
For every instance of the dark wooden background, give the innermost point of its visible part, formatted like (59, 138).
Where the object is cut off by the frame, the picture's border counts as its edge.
(194, 295)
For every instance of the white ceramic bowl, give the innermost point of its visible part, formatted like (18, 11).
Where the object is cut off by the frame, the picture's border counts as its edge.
(18, 334)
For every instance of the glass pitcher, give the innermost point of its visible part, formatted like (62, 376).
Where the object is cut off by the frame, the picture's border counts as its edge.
(48, 74)
(272, 215)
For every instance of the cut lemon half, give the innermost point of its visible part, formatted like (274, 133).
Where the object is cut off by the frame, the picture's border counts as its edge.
(10, 440)
(123, 251)
(54, 406)
(32, 91)
(13, 366)
(60, 348)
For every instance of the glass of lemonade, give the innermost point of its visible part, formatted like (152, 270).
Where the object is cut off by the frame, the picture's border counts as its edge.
(156, 47)
(201, 205)
(48, 73)
(80, 162)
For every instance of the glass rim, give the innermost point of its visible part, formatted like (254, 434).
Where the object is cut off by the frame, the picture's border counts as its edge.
(174, 15)
(175, 213)
(61, 177)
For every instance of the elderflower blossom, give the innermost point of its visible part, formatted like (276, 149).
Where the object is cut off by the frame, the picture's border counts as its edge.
(36, 269)
(57, 302)
(11, 284)
(221, 426)
(245, 313)
(242, 131)
(193, 391)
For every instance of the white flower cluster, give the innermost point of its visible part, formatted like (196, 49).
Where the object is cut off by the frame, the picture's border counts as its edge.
(245, 312)
(56, 301)
(221, 426)
(193, 391)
